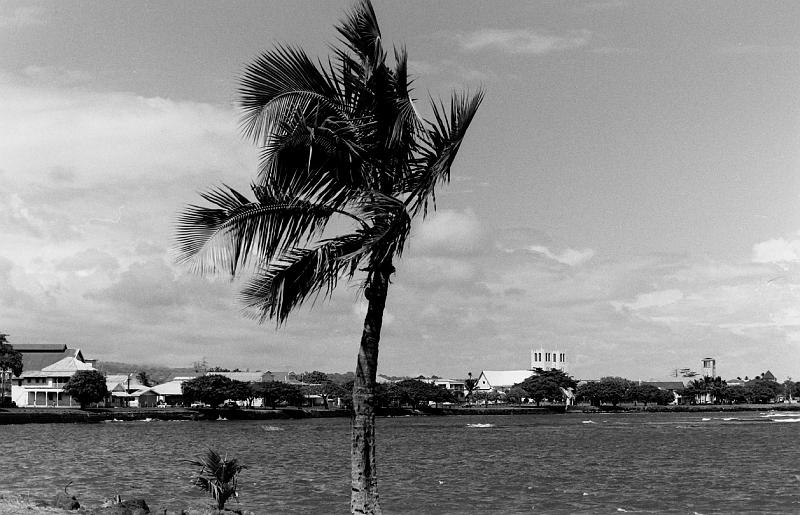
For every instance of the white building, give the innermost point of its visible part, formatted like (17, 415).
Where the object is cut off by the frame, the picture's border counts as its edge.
(456, 386)
(548, 359)
(45, 387)
(709, 367)
(501, 379)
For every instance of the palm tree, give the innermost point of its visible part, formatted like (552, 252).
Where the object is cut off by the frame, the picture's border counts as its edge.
(10, 360)
(217, 476)
(346, 163)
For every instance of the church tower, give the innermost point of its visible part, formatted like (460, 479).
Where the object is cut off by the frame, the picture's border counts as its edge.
(709, 367)
(548, 359)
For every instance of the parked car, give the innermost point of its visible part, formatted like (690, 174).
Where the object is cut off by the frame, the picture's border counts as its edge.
(198, 405)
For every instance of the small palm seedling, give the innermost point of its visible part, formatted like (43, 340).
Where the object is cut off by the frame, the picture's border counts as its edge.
(218, 476)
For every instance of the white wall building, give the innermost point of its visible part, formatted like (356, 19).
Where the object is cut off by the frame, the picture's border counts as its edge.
(548, 359)
(501, 379)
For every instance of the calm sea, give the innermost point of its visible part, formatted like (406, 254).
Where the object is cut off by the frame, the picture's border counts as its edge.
(637, 463)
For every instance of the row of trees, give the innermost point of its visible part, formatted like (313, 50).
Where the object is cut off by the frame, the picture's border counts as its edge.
(756, 391)
(613, 390)
(215, 389)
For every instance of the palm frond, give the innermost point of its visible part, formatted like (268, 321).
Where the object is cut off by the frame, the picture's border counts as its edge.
(407, 120)
(284, 80)
(361, 34)
(309, 149)
(444, 137)
(300, 274)
(237, 231)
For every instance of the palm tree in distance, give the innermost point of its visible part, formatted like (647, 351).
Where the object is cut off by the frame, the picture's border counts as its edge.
(346, 163)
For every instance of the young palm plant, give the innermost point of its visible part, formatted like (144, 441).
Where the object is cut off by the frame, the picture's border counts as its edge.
(346, 163)
(217, 476)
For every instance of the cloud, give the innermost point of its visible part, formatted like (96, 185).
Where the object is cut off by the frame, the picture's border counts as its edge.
(16, 216)
(88, 261)
(22, 16)
(569, 257)
(778, 250)
(523, 41)
(449, 232)
(56, 75)
(656, 299)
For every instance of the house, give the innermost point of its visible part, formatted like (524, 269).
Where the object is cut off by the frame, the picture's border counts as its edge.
(501, 380)
(170, 393)
(38, 356)
(122, 387)
(284, 377)
(45, 387)
(455, 386)
(671, 386)
(145, 397)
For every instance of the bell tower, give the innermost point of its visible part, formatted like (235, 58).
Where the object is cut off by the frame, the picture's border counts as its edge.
(709, 367)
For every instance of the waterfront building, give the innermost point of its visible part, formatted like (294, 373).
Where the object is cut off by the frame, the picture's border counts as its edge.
(548, 359)
(122, 387)
(501, 380)
(456, 386)
(170, 393)
(45, 387)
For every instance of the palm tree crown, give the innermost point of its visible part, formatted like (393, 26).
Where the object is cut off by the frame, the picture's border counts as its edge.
(340, 140)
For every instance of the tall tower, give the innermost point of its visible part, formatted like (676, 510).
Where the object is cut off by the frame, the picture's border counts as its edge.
(709, 367)
(548, 359)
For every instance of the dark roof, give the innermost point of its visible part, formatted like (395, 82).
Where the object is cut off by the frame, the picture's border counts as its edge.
(768, 376)
(36, 357)
(666, 385)
(40, 347)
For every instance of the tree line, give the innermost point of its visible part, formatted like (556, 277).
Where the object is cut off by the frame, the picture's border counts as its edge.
(759, 390)
(215, 389)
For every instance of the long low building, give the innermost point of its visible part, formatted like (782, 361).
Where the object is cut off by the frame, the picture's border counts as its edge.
(501, 379)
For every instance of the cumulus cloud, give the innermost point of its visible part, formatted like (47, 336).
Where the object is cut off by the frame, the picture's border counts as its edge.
(523, 41)
(103, 137)
(778, 250)
(569, 257)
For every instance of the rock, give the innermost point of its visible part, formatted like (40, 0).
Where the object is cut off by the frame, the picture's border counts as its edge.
(130, 507)
(66, 501)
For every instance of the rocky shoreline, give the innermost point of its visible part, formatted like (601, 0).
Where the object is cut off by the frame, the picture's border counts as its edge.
(65, 503)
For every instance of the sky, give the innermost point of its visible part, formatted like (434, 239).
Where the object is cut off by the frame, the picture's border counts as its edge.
(629, 192)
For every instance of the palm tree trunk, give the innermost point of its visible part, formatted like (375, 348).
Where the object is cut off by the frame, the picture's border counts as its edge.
(363, 474)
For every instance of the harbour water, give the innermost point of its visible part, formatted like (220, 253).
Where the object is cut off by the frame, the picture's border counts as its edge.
(575, 463)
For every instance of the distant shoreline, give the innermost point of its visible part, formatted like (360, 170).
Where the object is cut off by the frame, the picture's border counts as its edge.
(98, 415)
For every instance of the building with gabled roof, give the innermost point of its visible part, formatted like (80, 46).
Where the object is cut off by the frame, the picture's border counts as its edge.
(501, 379)
(45, 387)
(37, 356)
(246, 377)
